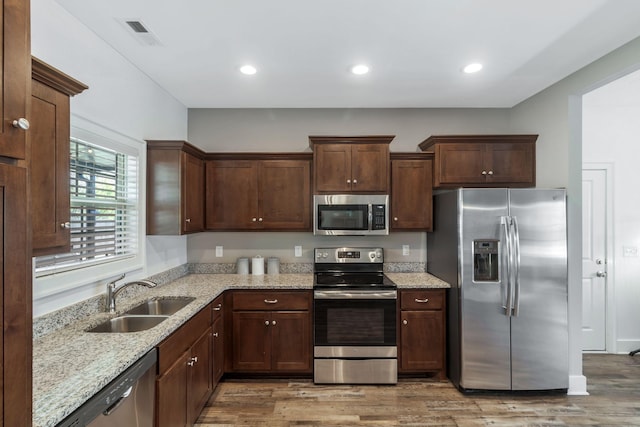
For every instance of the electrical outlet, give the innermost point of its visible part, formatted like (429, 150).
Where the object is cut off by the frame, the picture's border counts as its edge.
(219, 251)
(629, 251)
(406, 250)
(297, 250)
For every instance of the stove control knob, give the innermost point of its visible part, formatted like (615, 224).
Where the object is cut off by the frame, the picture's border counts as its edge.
(325, 255)
(372, 255)
(378, 253)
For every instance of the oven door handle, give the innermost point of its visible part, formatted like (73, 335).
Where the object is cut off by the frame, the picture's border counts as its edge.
(354, 294)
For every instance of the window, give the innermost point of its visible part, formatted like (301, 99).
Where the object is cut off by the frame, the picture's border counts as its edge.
(104, 208)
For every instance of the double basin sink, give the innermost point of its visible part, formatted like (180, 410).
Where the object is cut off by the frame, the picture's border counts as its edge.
(144, 316)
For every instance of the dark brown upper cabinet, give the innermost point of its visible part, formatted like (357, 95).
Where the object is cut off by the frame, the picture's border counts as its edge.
(48, 140)
(411, 191)
(483, 160)
(175, 188)
(351, 164)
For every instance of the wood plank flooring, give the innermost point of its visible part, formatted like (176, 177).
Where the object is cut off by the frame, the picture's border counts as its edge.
(613, 384)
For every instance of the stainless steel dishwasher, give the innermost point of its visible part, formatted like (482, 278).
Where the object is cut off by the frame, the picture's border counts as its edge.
(129, 400)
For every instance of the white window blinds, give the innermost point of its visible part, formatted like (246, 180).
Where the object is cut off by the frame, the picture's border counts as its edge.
(104, 209)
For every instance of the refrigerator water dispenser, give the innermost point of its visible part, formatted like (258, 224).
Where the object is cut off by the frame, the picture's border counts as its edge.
(485, 261)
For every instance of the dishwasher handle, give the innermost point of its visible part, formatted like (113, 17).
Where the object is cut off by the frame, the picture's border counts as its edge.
(115, 406)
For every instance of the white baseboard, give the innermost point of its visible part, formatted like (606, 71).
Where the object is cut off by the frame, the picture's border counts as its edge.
(577, 385)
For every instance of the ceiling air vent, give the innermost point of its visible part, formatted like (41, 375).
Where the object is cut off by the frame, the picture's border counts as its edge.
(141, 32)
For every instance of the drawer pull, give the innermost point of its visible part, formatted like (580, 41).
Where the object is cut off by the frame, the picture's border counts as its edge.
(422, 300)
(271, 301)
(218, 307)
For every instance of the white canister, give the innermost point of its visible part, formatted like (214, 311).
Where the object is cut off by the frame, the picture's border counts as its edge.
(242, 266)
(257, 265)
(273, 265)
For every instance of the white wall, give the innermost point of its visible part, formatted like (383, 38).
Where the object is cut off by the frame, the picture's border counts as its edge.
(119, 98)
(611, 134)
(556, 115)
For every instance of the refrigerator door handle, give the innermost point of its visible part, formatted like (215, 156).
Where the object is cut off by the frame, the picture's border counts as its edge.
(508, 305)
(516, 265)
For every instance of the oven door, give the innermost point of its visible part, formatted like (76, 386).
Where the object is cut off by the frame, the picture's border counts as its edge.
(347, 320)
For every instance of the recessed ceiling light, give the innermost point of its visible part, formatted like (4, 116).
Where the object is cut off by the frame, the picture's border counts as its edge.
(472, 68)
(248, 70)
(360, 69)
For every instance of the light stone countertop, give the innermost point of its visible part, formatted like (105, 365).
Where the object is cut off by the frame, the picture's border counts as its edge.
(71, 365)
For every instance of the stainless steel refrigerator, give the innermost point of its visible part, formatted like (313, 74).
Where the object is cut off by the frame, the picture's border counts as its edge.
(504, 252)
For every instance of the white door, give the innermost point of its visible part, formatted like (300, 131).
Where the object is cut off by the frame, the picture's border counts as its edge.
(594, 269)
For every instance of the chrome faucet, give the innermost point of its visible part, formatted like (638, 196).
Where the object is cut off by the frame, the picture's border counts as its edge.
(112, 292)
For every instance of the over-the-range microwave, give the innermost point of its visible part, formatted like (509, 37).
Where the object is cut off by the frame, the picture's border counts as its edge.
(350, 214)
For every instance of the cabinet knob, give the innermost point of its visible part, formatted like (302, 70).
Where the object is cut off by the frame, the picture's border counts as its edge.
(266, 322)
(65, 225)
(484, 172)
(254, 219)
(217, 307)
(195, 359)
(422, 300)
(355, 181)
(187, 220)
(190, 363)
(260, 219)
(404, 322)
(601, 274)
(215, 334)
(21, 123)
(395, 218)
(348, 181)
(490, 173)
(273, 323)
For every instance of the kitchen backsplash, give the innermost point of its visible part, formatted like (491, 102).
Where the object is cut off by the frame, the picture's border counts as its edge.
(53, 321)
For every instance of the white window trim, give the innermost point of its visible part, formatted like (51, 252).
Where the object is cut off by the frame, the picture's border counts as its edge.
(76, 280)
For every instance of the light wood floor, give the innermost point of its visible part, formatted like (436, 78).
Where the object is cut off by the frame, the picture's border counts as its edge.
(613, 384)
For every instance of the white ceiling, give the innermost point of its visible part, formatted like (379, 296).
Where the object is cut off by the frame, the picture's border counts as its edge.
(303, 49)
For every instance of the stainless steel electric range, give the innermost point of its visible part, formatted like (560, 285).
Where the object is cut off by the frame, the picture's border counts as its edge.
(354, 318)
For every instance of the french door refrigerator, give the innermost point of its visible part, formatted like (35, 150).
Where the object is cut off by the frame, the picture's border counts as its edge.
(504, 252)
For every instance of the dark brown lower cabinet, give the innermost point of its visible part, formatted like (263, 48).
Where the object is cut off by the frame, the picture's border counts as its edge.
(217, 351)
(422, 332)
(271, 332)
(184, 382)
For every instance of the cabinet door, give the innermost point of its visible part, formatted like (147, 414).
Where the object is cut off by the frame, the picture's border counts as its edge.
(251, 343)
(459, 164)
(171, 392)
(49, 142)
(285, 194)
(232, 195)
(370, 168)
(218, 351)
(15, 74)
(192, 193)
(422, 340)
(199, 369)
(15, 300)
(332, 168)
(411, 191)
(510, 163)
(291, 341)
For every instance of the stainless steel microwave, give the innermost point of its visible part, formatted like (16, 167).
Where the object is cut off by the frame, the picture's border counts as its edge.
(350, 214)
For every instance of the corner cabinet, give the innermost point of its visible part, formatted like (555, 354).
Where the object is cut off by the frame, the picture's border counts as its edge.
(483, 160)
(351, 164)
(263, 324)
(257, 191)
(175, 188)
(48, 141)
(16, 77)
(422, 332)
(184, 382)
(411, 191)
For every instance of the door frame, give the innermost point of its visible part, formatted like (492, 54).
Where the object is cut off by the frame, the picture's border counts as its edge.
(610, 306)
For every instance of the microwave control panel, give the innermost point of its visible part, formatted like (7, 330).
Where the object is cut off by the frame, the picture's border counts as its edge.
(379, 216)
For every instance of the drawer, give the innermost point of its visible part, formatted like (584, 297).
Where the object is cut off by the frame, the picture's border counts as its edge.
(431, 299)
(272, 300)
(178, 342)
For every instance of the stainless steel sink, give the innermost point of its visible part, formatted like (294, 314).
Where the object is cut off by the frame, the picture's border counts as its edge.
(128, 323)
(160, 306)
